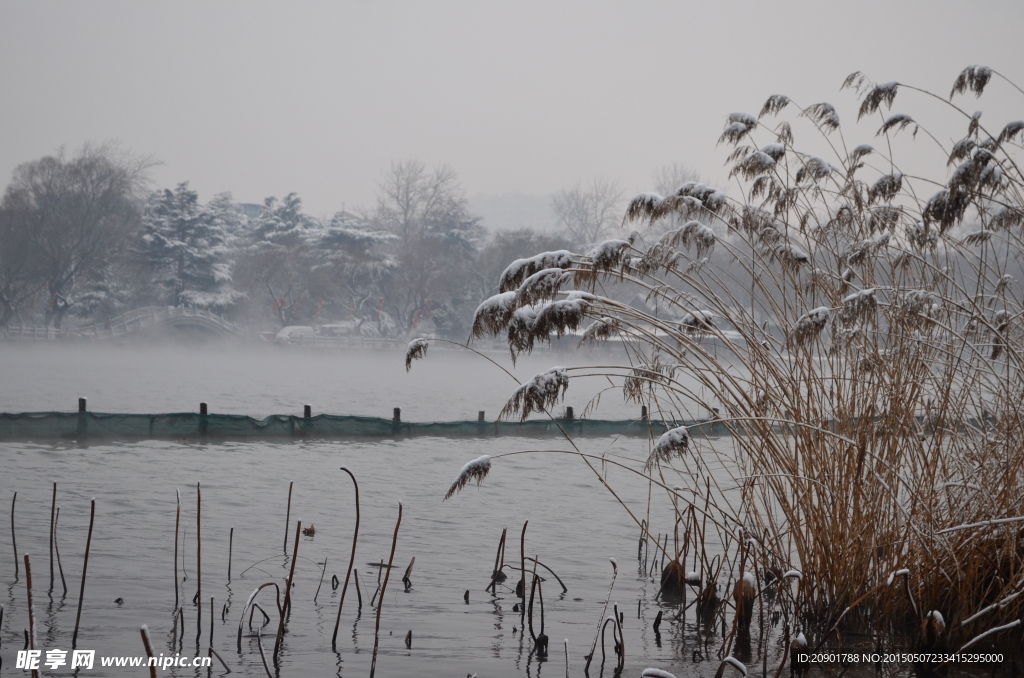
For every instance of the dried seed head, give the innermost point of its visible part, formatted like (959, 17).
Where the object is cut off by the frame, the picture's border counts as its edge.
(885, 188)
(972, 78)
(417, 349)
(824, 115)
(539, 394)
(900, 121)
(809, 325)
(542, 286)
(493, 314)
(475, 470)
(877, 96)
(673, 443)
(512, 277)
(774, 105)
(601, 330)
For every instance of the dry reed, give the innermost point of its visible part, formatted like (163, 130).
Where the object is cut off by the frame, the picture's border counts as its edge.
(31, 611)
(144, 632)
(85, 567)
(351, 563)
(14, 541)
(384, 586)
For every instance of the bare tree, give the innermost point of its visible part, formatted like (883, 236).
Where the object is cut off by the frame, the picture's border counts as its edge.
(436, 240)
(80, 212)
(588, 214)
(668, 178)
(21, 269)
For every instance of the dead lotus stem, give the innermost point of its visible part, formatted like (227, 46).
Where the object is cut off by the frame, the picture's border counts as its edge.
(604, 611)
(351, 563)
(14, 541)
(322, 573)
(85, 567)
(31, 611)
(177, 523)
(263, 656)
(288, 591)
(144, 632)
(198, 600)
(53, 520)
(249, 602)
(521, 587)
(380, 604)
(56, 547)
(496, 573)
(288, 517)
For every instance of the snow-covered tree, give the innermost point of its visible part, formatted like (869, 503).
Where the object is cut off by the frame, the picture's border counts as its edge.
(78, 212)
(186, 247)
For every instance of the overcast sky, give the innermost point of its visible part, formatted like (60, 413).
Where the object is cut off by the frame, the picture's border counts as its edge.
(519, 97)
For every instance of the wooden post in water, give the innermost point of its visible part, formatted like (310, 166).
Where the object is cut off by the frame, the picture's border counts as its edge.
(643, 412)
(203, 410)
(231, 544)
(480, 416)
(568, 413)
(81, 416)
(398, 414)
(307, 412)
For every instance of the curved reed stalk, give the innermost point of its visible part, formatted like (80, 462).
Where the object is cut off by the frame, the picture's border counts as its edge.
(351, 563)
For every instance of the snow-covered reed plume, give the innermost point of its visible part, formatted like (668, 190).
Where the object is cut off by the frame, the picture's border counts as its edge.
(539, 394)
(810, 324)
(543, 285)
(474, 470)
(671, 445)
(520, 269)
(416, 350)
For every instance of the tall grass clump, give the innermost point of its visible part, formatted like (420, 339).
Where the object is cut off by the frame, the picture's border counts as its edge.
(851, 314)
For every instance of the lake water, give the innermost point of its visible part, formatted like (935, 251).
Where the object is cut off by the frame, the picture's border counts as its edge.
(575, 525)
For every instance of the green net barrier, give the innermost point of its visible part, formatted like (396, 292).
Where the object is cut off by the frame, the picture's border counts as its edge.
(74, 425)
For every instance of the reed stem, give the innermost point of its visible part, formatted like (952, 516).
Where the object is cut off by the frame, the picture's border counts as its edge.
(144, 632)
(85, 567)
(14, 541)
(31, 611)
(351, 564)
(56, 547)
(288, 517)
(288, 591)
(53, 520)
(380, 603)
(177, 523)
